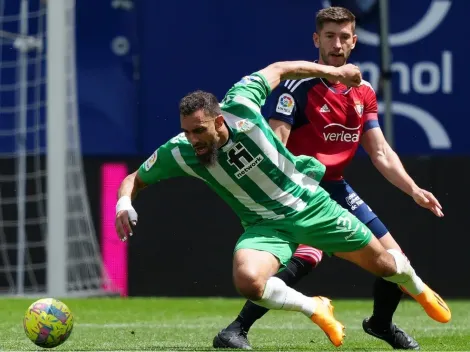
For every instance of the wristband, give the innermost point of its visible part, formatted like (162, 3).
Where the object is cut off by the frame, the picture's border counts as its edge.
(124, 203)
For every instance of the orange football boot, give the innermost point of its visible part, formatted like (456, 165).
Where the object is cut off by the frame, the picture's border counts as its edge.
(324, 318)
(433, 304)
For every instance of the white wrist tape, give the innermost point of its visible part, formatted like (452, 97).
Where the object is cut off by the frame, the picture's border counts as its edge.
(124, 203)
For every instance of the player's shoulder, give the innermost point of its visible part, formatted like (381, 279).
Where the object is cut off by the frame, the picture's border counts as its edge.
(179, 140)
(297, 87)
(366, 86)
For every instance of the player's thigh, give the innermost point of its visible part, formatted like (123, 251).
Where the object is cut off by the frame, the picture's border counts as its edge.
(359, 208)
(373, 258)
(258, 255)
(349, 199)
(330, 227)
(267, 239)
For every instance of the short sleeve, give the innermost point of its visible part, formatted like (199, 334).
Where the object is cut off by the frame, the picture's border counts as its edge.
(250, 92)
(162, 164)
(370, 115)
(282, 105)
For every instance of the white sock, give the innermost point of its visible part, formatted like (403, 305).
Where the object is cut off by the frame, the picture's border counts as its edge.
(277, 295)
(405, 275)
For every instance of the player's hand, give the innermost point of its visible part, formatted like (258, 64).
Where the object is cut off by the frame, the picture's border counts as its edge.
(349, 75)
(427, 200)
(123, 222)
(125, 217)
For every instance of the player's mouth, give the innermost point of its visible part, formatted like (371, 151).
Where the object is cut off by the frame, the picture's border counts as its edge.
(337, 55)
(201, 149)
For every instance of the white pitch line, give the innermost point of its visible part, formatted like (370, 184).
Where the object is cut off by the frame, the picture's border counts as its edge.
(303, 327)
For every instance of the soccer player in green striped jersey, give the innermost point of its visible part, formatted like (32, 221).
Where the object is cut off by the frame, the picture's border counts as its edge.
(275, 194)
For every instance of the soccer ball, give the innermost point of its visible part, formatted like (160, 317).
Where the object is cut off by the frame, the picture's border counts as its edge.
(48, 322)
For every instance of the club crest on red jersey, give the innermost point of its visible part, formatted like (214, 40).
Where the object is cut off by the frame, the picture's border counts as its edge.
(359, 108)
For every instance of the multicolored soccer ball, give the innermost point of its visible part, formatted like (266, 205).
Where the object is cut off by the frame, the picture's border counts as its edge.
(48, 322)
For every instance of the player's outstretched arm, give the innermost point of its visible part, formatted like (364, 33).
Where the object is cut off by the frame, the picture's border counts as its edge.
(275, 73)
(389, 165)
(125, 212)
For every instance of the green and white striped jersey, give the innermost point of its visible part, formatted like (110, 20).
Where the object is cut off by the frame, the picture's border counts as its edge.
(255, 173)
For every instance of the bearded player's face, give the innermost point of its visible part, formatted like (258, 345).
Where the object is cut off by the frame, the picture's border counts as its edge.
(335, 42)
(201, 132)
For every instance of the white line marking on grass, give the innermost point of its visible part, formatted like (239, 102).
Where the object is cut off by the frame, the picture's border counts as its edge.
(303, 327)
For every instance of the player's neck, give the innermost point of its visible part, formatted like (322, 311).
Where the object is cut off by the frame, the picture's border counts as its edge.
(224, 135)
(321, 62)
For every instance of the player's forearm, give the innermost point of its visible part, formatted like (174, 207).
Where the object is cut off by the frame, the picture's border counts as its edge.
(130, 186)
(389, 165)
(281, 71)
(306, 69)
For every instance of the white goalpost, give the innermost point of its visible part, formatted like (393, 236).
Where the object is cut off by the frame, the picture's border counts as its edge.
(48, 244)
(57, 55)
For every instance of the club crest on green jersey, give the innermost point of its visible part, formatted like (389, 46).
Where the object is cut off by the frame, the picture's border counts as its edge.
(244, 125)
(242, 159)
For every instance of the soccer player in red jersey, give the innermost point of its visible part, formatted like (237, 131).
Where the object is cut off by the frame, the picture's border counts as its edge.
(328, 120)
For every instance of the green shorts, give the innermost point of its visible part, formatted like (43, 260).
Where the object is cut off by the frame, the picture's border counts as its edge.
(323, 224)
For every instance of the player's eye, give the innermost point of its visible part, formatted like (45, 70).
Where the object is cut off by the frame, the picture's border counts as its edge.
(199, 130)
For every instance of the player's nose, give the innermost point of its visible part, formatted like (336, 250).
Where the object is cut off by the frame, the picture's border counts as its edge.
(337, 43)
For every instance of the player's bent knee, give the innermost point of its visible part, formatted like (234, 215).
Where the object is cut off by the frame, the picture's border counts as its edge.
(251, 270)
(386, 265)
(249, 283)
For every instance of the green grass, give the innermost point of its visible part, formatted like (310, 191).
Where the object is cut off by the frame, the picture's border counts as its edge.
(144, 324)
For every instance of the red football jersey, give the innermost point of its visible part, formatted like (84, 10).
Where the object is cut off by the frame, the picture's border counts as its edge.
(327, 119)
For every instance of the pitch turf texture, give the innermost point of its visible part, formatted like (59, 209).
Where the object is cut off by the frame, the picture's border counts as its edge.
(189, 324)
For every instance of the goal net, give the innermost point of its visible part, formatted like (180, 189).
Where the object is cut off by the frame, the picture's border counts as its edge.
(34, 258)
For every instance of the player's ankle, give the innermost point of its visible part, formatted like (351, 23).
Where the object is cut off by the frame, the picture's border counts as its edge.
(378, 323)
(235, 325)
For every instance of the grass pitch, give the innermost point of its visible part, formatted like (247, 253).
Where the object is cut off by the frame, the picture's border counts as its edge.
(189, 324)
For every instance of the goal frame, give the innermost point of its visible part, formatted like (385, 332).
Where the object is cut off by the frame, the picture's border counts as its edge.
(56, 165)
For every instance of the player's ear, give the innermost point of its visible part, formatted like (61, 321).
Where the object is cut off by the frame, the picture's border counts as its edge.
(316, 40)
(354, 41)
(219, 122)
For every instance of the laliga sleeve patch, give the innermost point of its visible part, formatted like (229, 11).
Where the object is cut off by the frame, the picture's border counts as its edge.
(150, 161)
(285, 104)
(248, 79)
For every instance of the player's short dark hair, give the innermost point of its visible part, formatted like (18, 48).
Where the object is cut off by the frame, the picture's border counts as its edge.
(200, 100)
(334, 14)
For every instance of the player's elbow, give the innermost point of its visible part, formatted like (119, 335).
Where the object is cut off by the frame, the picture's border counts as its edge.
(382, 157)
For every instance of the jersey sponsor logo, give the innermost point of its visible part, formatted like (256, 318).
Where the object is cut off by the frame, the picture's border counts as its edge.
(151, 160)
(242, 159)
(285, 104)
(346, 134)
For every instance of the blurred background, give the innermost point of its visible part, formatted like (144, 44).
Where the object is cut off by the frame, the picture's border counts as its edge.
(119, 70)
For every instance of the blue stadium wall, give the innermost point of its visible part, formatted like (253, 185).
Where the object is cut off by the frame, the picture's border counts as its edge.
(133, 71)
